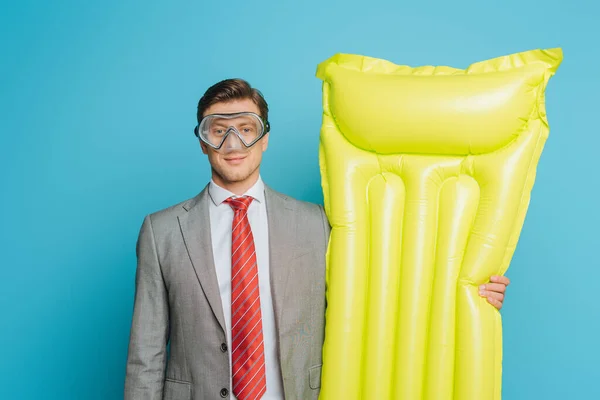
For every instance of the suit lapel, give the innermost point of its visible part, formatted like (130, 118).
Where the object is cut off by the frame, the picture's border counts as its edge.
(282, 238)
(195, 226)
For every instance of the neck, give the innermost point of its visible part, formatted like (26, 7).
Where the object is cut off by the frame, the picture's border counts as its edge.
(238, 188)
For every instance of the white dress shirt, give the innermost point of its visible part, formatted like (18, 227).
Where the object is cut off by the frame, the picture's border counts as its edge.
(221, 219)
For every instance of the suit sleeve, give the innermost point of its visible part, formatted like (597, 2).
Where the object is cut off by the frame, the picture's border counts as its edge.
(326, 224)
(326, 236)
(146, 357)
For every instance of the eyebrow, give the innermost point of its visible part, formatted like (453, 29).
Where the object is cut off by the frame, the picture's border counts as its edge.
(240, 120)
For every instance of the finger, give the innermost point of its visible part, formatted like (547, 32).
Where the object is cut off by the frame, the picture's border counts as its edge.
(500, 279)
(494, 287)
(493, 295)
(494, 302)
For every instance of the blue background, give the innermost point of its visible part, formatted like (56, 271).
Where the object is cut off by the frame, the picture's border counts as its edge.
(97, 107)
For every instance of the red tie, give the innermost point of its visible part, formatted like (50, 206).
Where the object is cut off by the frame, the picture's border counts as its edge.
(247, 356)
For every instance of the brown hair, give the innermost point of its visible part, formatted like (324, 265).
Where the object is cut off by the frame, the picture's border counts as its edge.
(229, 90)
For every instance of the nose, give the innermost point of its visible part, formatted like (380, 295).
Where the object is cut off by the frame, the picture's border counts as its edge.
(232, 143)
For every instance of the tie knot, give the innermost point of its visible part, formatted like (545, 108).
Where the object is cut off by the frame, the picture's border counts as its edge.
(239, 203)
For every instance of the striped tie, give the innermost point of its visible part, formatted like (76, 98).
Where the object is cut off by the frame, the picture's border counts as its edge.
(247, 356)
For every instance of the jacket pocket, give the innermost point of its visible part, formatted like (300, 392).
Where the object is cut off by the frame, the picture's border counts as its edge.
(177, 390)
(314, 376)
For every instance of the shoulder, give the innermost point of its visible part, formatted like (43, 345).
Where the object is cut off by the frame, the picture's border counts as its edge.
(166, 217)
(306, 212)
(298, 206)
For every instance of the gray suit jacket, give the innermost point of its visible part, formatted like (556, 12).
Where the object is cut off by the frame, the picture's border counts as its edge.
(177, 301)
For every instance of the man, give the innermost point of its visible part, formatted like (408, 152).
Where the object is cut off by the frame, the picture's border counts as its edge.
(233, 279)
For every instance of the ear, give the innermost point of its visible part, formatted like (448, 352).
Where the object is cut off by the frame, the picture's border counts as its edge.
(204, 147)
(265, 142)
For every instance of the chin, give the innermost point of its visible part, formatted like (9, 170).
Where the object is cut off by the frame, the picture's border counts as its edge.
(237, 173)
(236, 177)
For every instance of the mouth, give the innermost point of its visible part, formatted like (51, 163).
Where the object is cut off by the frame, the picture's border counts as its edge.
(235, 159)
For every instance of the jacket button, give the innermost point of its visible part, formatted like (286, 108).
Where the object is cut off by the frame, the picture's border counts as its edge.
(224, 392)
(224, 347)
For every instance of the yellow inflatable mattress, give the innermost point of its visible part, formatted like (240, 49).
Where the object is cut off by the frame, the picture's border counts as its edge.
(426, 175)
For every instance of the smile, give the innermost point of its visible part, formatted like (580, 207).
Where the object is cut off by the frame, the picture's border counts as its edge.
(235, 160)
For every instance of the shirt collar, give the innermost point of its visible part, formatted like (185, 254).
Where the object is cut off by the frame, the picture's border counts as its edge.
(218, 194)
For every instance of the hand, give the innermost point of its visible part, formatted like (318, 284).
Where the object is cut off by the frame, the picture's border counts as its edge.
(495, 291)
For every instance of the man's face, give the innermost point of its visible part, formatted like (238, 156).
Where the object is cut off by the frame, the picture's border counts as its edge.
(239, 165)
